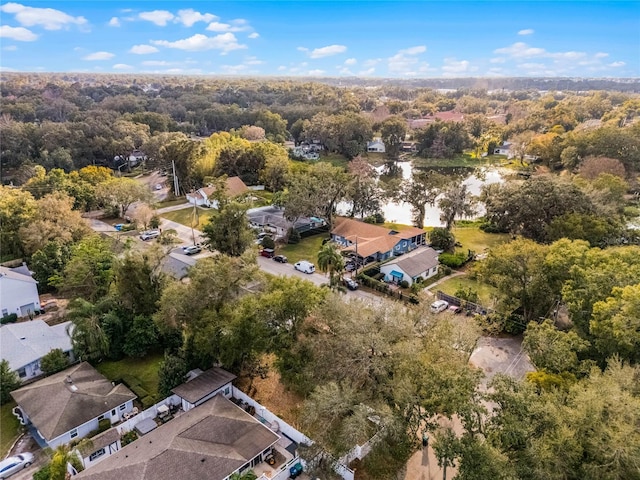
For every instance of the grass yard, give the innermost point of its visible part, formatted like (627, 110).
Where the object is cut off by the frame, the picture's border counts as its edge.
(486, 292)
(184, 216)
(334, 159)
(472, 238)
(171, 203)
(307, 249)
(9, 428)
(144, 370)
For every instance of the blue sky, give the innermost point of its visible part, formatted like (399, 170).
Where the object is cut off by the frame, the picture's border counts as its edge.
(324, 38)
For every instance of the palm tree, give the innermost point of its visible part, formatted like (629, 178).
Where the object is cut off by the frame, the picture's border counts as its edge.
(248, 475)
(330, 260)
(89, 340)
(456, 202)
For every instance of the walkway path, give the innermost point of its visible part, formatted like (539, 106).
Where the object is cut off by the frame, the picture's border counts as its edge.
(444, 279)
(173, 208)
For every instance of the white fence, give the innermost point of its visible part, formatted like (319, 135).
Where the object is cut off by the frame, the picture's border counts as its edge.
(361, 451)
(298, 437)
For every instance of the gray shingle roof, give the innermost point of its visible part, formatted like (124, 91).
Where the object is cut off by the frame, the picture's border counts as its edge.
(25, 342)
(204, 384)
(417, 262)
(210, 441)
(55, 408)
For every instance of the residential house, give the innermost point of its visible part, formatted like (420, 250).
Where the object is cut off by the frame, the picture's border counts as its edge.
(420, 263)
(271, 219)
(374, 242)
(504, 149)
(449, 116)
(18, 292)
(376, 146)
(69, 405)
(204, 386)
(203, 196)
(102, 446)
(24, 344)
(212, 441)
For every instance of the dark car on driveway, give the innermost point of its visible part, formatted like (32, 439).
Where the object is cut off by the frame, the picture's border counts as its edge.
(280, 259)
(350, 283)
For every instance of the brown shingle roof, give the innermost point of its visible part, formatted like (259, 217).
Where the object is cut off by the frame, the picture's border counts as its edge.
(210, 441)
(207, 382)
(371, 238)
(234, 185)
(54, 407)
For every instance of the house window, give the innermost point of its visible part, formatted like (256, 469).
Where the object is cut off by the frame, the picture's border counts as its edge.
(101, 417)
(123, 406)
(73, 433)
(22, 372)
(113, 412)
(226, 391)
(96, 454)
(5, 312)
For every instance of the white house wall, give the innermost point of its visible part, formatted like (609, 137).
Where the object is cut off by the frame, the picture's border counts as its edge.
(15, 294)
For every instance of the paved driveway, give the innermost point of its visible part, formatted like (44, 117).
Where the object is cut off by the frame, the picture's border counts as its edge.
(501, 355)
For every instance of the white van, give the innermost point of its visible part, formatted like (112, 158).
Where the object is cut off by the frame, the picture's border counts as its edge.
(305, 267)
(439, 306)
(149, 234)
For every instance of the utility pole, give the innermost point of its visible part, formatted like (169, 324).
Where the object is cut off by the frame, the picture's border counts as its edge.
(176, 190)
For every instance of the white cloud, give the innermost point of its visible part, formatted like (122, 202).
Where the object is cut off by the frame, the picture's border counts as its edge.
(282, 68)
(302, 49)
(406, 61)
(413, 50)
(526, 31)
(254, 35)
(233, 69)
(159, 17)
(189, 16)
(10, 48)
(316, 72)
(155, 63)
(143, 49)
(99, 56)
(49, 18)
(114, 22)
(601, 55)
(520, 50)
(456, 67)
(497, 60)
(369, 71)
(350, 61)
(616, 64)
(122, 66)
(17, 33)
(327, 51)
(238, 25)
(253, 61)
(372, 62)
(344, 71)
(225, 42)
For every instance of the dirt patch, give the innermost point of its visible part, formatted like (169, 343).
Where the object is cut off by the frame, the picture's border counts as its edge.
(55, 308)
(271, 393)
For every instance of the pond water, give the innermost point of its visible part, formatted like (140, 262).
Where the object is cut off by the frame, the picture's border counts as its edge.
(474, 178)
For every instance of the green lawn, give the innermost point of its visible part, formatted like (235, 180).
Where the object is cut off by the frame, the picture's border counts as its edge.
(144, 370)
(9, 428)
(307, 249)
(184, 216)
(486, 293)
(472, 238)
(334, 159)
(171, 203)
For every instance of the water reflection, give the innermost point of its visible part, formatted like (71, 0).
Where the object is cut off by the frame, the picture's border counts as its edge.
(474, 178)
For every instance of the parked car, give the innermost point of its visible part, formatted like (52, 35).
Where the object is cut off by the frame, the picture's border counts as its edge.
(350, 283)
(349, 266)
(158, 186)
(267, 252)
(439, 306)
(150, 234)
(11, 465)
(191, 249)
(305, 267)
(455, 309)
(280, 259)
